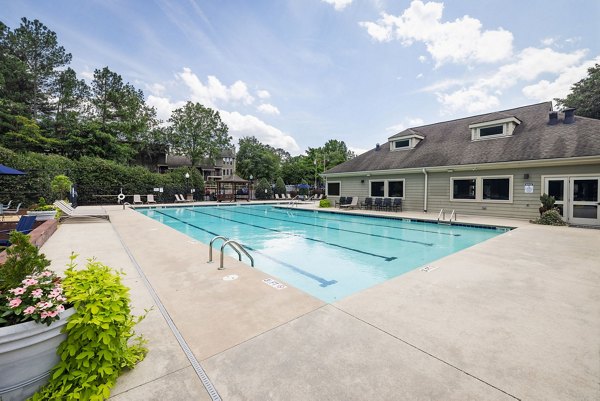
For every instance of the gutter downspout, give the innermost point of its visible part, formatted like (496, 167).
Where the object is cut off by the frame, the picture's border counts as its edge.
(426, 190)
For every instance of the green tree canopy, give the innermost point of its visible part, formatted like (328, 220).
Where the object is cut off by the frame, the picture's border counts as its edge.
(280, 186)
(257, 159)
(585, 95)
(198, 132)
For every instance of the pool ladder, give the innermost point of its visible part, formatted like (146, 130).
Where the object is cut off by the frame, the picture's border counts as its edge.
(236, 246)
(442, 216)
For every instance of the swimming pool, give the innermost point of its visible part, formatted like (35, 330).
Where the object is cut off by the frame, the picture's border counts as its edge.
(328, 255)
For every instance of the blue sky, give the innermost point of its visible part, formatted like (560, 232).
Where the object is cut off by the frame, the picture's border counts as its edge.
(295, 73)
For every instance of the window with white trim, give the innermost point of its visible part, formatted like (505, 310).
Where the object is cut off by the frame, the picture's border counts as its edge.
(334, 188)
(402, 144)
(501, 128)
(393, 188)
(481, 189)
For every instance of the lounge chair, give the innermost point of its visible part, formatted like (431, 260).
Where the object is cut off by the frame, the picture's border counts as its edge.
(342, 200)
(70, 213)
(367, 204)
(137, 199)
(276, 196)
(12, 211)
(150, 199)
(179, 198)
(397, 204)
(25, 225)
(377, 203)
(353, 203)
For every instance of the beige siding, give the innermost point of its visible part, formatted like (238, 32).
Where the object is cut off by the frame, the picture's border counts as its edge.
(524, 206)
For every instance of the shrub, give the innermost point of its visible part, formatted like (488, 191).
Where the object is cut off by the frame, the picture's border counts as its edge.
(551, 218)
(547, 203)
(280, 186)
(97, 347)
(60, 186)
(263, 190)
(324, 203)
(23, 259)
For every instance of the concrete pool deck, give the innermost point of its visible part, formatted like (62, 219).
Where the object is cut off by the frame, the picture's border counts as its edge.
(515, 317)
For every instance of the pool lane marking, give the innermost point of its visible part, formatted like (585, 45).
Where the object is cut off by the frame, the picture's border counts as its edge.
(305, 214)
(334, 228)
(386, 258)
(323, 282)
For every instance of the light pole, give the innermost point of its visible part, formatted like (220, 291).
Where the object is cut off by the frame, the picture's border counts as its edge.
(187, 184)
(250, 189)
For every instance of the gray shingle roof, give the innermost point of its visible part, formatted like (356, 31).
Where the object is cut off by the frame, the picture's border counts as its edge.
(449, 143)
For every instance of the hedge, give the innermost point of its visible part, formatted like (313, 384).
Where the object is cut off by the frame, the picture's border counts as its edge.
(97, 180)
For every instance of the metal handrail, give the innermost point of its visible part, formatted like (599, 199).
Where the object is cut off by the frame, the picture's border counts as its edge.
(453, 215)
(233, 244)
(442, 214)
(126, 204)
(210, 248)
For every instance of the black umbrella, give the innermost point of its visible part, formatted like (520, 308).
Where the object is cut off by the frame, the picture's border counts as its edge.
(9, 171)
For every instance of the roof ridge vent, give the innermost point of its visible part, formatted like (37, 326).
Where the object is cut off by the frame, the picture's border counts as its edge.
(569, 115)
(553, 118)
(377, 147)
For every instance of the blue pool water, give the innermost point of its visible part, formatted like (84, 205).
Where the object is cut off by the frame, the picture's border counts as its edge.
(328, 255)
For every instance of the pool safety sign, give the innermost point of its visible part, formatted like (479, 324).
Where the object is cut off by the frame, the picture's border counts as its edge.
(528, 187)
(275, 284)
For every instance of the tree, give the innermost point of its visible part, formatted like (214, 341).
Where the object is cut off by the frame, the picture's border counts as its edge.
(71, 97)
(257, 159)
(37, 47)
(280, 186)
(27, 136)
(60, 186)
(198, 132)
(585, 95)
(263, 190)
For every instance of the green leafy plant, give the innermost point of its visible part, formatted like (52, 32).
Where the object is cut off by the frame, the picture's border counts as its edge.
(100, 340)
(42, 206)
(263, 190)
(547, 203)
(324, 203)
(280, 186)
(550, 218)
(23, 259)
(28, 291)
(60, 186)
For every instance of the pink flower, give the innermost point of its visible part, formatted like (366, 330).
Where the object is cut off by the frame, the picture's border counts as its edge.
(18, 291)
(37, 293)
(29, 281)
(60, 308)
(53, 313)
(44, 315)
(55, 293)
(60, 298)
(46, 273)
(15, 302)
(44, 305)
(29, 310)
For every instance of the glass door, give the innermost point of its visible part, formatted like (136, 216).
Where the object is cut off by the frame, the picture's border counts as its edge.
(557, 187)
(584, 204)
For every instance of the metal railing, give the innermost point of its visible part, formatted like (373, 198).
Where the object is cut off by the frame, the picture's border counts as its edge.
(442, 216)
(210, 248)
(236, 246)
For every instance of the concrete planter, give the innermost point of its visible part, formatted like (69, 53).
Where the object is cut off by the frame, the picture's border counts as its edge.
(27, 354)
(42, 215)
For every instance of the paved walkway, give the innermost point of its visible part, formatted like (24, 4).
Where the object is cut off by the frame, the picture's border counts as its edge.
(514, 318)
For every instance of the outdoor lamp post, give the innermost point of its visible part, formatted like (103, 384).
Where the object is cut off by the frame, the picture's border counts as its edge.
(187, 183)
(250, 189)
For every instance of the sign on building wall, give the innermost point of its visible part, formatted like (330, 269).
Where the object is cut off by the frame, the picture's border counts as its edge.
(528, 188)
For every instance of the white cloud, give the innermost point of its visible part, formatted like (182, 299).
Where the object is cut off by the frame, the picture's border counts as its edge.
(268, 108)
(241, 125)
(263, 94)
(458, 41)
(155, 89)
(561, 86)
(422, 59)
(482, 94)
(214, 91)
(338, 4)
(420, 75)
(357, 151)
(408, 122)
(548, 41)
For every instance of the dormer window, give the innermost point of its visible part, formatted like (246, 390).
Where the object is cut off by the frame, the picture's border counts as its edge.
(401, 144)
(501, 128)
(407, 139)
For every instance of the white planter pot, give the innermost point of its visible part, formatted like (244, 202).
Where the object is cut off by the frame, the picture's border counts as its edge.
(27, 354)
(42, 215)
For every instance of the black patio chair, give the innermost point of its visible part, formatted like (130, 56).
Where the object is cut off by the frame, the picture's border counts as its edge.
(377, 203)
(397, 204)
(367, 204)
(387, 204)
(342, 200)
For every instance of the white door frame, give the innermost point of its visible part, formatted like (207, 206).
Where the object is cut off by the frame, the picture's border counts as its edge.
(594, 202)
(568, 196)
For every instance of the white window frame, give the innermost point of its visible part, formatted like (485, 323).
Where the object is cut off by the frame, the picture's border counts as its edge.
(386, 188)
(508, 127)
(479, 188)
(408, 146)
(333, 182)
